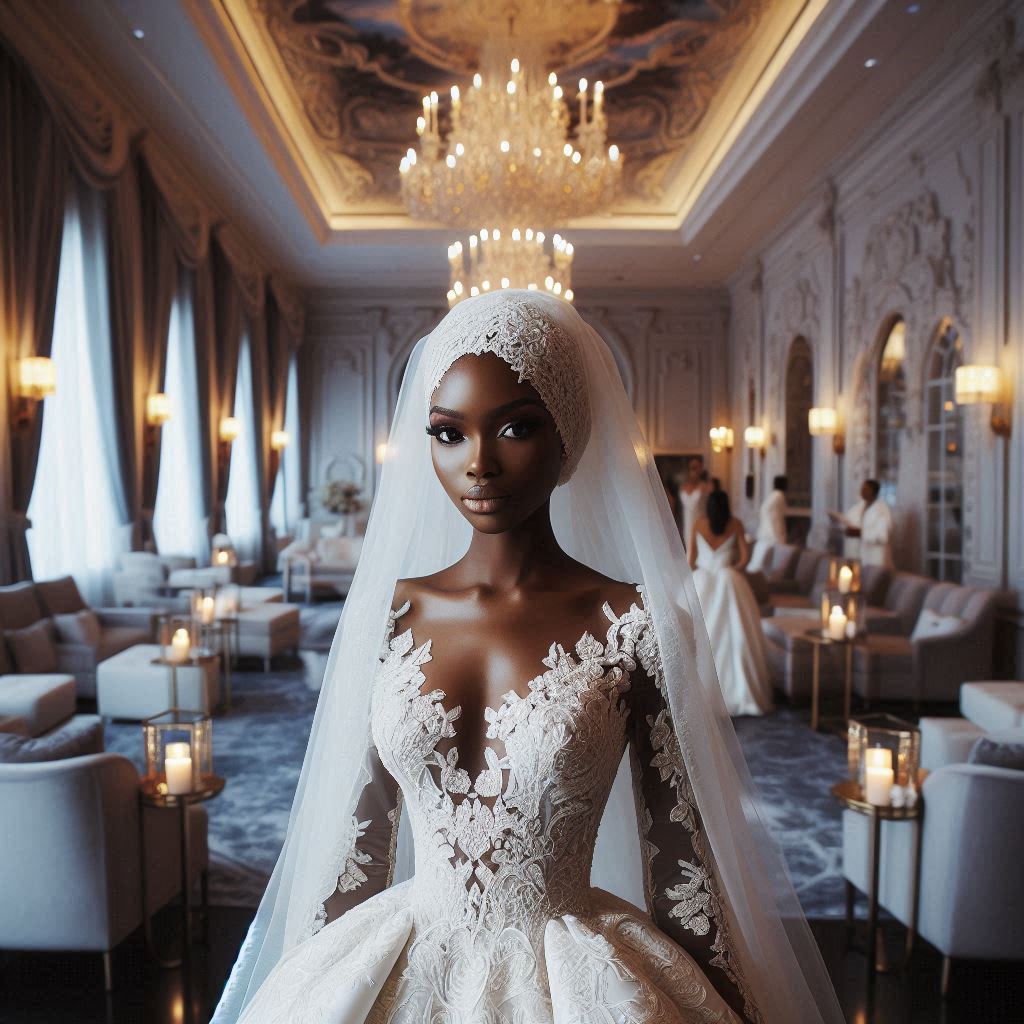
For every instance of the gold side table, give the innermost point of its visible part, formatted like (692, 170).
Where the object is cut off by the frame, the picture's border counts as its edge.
(817, 642)
(850, 795)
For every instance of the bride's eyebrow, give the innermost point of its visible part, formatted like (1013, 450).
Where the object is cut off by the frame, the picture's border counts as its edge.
(441, 411)
(501, 410)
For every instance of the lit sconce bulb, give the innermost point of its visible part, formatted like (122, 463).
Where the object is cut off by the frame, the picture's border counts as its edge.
(450, 160)
(567, 149)
(426, 104)
(279, 440)
(483, 234)
(549, 282)
(515, 65)
(403, 167)
(458, 287)
(583, 85)
(505, 146)
(569, 248)
(486, 285)
(532, 286)
(458, 248)
(557, 239)
(516, 235)
(477, 81)
(230, 428)
(433, 98)
(598, 88)
(558, 92)
(474, 290)
(472, 241)
(421, 125)
(613, 153)
(540, 237)
(510, 87)
(529, 234)
(455, 94)
(504, 282)
(459, 149)
(576, 158)
(496, 234)
(410, 155)
(568, 295)
(558, 287)
(536, 151)
(451, 296)
(552, 79)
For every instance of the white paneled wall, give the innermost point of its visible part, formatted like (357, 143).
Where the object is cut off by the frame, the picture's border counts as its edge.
(922, 218)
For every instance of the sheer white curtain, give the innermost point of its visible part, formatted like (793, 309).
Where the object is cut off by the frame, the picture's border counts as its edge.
(76, 509)
(286, 504)
(178, 520)
(242, 507)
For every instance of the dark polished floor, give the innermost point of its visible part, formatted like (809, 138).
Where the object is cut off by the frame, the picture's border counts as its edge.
(68, 989)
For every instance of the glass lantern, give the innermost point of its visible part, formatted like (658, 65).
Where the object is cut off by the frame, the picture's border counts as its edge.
(837, 622)
(223, 556)
(179, 751)
(901, 739)
(844, 575)
(228, 601)
(856, 607)
(177, 637)
(203, 603)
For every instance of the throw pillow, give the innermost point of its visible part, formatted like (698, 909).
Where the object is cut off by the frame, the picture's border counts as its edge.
(33, 647)
(1001, 749)
(60, 596)
(79, 628)
(930, 624)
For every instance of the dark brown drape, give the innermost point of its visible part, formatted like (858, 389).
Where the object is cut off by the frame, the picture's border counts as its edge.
(34, 167)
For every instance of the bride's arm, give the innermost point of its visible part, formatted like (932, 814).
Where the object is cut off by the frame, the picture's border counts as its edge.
(680, 878)
(741, 541)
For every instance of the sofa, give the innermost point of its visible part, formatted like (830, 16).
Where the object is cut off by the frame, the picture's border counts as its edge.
(141, 580)
(985, 708)
(970, 903)
(71, 857)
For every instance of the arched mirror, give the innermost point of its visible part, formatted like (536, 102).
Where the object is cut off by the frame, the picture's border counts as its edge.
(799, 399)
(944, 431)
(891, 406)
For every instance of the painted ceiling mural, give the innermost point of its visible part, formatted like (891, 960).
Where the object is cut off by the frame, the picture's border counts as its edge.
(360, 70)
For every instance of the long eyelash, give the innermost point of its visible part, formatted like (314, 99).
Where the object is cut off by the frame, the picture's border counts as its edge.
(439, 430)
(435, 431)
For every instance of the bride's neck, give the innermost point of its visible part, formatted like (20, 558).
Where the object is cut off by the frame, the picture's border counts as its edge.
(526, 554)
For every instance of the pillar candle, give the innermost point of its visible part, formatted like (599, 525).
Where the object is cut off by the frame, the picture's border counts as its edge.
(845, 579)
(178, 768)
(837, 624)
(180, 646)
(206, 611)
(878, 776)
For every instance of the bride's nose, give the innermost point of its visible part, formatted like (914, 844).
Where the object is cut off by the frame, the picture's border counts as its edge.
(482, 463)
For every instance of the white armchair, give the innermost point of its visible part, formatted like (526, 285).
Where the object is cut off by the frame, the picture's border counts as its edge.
(71, 861)
(321, 556)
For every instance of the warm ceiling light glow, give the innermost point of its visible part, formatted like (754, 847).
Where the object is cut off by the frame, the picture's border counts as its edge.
(279, 440)
(36, 377)
(158, 409)
(755, 437)
(230, 428)
(822, 421)
(974, 384)
(721, 439)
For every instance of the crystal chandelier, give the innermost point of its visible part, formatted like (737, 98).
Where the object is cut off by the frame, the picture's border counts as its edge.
(505, 157)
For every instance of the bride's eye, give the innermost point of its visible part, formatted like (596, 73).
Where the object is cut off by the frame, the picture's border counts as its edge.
(445, 434)
(519, 430)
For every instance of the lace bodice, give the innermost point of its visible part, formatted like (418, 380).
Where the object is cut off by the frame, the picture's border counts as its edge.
(715, 558)
(500, 855)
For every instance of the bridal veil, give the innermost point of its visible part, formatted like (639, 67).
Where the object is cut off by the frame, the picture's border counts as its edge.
(611, 513)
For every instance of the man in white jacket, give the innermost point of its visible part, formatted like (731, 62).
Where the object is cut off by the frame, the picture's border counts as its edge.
(771, 524)
(868, 528)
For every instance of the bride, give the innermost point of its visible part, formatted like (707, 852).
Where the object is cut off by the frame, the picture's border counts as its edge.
(522, 800)
(718, 553)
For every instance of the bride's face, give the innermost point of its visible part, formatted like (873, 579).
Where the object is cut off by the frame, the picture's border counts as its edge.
(494, 444)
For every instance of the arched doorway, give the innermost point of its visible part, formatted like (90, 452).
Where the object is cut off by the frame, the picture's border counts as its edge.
(891, 413)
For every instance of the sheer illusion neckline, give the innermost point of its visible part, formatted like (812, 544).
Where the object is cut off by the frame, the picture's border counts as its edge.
(511, 694)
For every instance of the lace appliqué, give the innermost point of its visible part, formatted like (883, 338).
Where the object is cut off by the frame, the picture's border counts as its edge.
(523, 333)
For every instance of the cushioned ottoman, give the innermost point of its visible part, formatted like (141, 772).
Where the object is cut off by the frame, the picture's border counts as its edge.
(947, 741)
(81, 734)
(993, 705)
(43, 700)
(267, 629)
(13, 724)
(248, 596)
(129, 685)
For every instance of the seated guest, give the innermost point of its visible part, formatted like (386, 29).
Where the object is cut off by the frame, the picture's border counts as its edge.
(771, 523)
(867, 527)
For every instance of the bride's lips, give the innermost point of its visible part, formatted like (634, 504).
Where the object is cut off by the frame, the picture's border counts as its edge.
(484, 502)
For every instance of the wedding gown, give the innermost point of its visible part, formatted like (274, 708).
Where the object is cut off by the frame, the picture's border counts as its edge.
(734, 629)
(499, 924)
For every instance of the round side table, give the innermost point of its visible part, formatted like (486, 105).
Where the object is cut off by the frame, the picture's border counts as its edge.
(851, 796)
(153, 794)
(818, 641)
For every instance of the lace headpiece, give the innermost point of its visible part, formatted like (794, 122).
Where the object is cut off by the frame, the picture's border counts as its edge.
(527, 331)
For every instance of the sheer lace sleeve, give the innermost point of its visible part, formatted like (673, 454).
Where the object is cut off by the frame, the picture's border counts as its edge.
(369, 864)
(680, 880)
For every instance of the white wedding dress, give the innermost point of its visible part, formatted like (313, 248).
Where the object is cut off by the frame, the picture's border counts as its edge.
(499, 924)
(734, 629)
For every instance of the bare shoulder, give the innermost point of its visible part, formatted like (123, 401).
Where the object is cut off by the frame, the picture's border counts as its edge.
(593, 589)
(415, 590)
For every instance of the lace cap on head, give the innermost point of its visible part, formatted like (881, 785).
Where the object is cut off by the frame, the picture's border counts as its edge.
(533, 334)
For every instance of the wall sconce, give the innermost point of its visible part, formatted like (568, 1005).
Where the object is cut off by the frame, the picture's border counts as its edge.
(823, 421)
(279, 440)
(756, 439)
(983, 385)
(230, 428)
(382, 451)
(158, 409)
(35, 378)
(721, 439)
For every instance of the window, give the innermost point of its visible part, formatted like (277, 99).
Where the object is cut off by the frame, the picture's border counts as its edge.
(799, 399)
(286, 505)
(242, 508)
(178, 520)
(944, 431)
(892, 397)
(76, 506)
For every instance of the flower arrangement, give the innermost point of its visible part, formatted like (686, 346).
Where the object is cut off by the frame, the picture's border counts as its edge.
(340, 497)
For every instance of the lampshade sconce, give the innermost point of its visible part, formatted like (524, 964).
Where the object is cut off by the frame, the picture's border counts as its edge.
(983, 385)
(279, 440)
(158, 409)
(35, 378)
(823, 421)
(230, 428)
(756, 439)
(721, 439)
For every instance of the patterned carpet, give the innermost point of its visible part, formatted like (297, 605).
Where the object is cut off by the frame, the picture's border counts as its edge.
(259, 745)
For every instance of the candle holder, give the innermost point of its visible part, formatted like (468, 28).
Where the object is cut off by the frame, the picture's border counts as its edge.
(902, 739)
(176, 637)
(856, 607)
(227, 601)
(203, 604)
(844, 575)
(835, 618)
(179, 751)
(223, 556)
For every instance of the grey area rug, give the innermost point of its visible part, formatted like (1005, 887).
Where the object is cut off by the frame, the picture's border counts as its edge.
(259, 745)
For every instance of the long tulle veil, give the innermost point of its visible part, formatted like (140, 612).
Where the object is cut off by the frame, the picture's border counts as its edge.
(612, 515)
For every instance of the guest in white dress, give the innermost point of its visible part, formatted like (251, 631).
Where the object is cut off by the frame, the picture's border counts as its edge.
(718, 553)
(771, 524)
(868, 528)
(693, 493)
